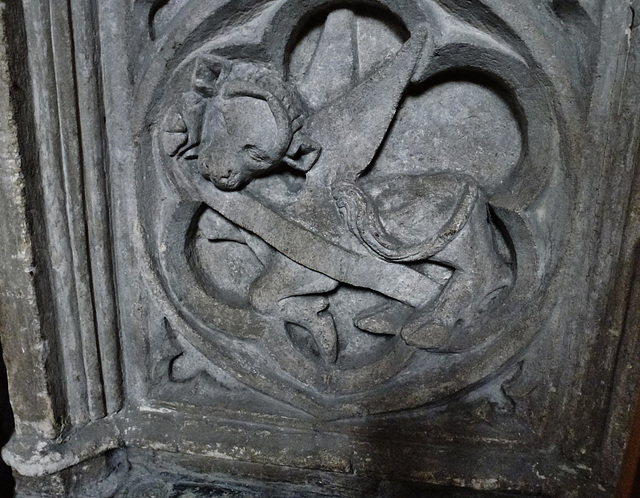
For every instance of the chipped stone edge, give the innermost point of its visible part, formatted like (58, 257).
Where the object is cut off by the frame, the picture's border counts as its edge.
(34, 457)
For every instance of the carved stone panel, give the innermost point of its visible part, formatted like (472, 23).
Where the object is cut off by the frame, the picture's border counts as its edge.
(377, 242)
(354, 209)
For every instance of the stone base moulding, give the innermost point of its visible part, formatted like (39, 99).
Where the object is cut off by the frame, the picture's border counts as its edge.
(318, 247)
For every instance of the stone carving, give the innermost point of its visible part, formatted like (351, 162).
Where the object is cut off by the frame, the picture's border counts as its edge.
(247, 122)
(252, 123)
(147, 489)
(464, 242)
(329, 242)
(290, 213)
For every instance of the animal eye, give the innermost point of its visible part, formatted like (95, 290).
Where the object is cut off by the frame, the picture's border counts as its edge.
(255, 153)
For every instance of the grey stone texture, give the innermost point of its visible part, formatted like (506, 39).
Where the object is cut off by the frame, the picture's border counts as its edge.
(319, 248)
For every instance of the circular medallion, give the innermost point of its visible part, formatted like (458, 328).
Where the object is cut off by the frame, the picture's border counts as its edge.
(341, 208)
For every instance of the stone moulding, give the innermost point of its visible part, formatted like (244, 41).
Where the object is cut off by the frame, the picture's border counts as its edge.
(348, 242)
(290, 448)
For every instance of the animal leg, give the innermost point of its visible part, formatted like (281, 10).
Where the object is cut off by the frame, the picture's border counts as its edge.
(384, 320)
(287, 290)
(479, 277)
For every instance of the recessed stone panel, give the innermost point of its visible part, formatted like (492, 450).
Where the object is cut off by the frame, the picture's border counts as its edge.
(340, 246)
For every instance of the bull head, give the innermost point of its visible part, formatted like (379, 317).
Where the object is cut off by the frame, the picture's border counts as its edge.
(246, 130)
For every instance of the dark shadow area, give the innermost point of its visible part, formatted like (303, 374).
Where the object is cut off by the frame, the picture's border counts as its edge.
(15, 37)
(629, 483)
(7, 483)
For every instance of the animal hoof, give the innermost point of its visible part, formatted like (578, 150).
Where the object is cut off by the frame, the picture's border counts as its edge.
(430, 336)
(385, 320)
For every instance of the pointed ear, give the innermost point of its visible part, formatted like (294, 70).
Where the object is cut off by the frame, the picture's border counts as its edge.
(302, 154)
(209, 72)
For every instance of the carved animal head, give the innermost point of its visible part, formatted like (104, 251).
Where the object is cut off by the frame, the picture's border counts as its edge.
(252, 123)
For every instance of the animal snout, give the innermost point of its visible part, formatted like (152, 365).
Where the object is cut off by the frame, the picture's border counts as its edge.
(226, 178)
(223, 176)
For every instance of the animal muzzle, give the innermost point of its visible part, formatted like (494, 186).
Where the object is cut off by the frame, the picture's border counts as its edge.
(229, 180)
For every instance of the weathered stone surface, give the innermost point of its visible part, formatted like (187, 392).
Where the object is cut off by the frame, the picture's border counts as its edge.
(326, 248)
